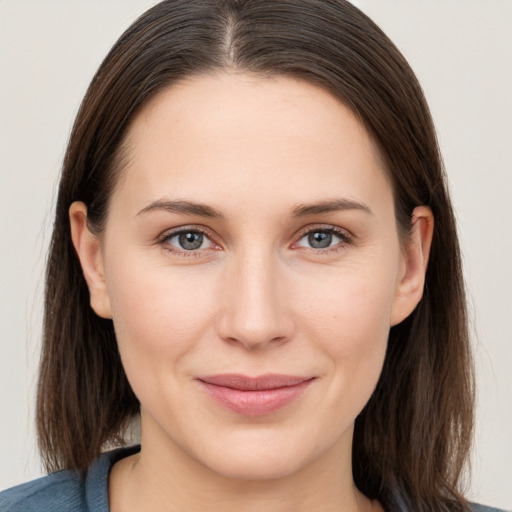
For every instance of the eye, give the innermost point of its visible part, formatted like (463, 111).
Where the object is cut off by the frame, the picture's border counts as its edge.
(188, 240)
(323, 238)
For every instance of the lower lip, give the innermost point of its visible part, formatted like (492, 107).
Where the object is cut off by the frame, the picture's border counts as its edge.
(255, 403)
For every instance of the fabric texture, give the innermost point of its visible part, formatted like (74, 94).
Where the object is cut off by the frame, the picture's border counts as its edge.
(66, 491)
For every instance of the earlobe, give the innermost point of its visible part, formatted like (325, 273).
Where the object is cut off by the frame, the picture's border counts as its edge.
(88, 248)
(416, 251)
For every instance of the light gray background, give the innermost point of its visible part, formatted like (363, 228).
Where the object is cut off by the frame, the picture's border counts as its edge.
(462, 52)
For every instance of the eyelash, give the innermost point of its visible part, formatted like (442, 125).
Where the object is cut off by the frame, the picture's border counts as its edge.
(165, 237)
(344, 236)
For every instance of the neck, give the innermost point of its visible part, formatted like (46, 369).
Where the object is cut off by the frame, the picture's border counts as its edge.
(162, 477)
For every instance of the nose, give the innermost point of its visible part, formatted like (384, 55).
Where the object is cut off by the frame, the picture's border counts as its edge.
(255, 311)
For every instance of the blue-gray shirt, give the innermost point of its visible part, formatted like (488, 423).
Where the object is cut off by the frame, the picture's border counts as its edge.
(66, 491)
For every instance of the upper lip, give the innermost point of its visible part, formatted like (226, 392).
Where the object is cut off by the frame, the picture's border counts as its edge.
(261, 383)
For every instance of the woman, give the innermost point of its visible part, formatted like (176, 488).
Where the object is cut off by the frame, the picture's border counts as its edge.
(254, 250)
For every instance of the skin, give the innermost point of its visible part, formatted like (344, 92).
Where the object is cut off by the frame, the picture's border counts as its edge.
(255, 298)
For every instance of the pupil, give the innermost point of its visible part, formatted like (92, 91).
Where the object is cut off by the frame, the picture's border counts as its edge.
(320, 240)
(191, 241)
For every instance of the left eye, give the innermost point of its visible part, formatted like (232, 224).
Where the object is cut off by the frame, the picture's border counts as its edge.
(320, 239)
(189, 240)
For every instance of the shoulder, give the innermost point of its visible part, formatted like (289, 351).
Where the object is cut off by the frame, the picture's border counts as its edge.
(59, 491)
(482, 508)
(66, 490)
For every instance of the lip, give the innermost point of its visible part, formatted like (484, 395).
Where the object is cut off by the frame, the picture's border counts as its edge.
(254, 396)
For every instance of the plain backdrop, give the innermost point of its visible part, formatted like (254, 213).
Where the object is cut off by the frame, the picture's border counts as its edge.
(461, 51)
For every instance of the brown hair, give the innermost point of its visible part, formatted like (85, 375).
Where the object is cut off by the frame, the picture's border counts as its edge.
(413, 437)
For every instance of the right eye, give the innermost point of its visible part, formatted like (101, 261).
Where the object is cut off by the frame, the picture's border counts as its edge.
(186, 240)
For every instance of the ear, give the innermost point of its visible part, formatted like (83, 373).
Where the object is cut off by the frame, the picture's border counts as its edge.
(411, 279)
(88, 248)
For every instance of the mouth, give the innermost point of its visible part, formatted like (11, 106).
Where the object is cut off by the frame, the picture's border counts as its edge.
(254, 396)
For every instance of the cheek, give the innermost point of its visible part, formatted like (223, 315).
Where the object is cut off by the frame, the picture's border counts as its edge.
(349, 317)
(158, 312)
(350, 304)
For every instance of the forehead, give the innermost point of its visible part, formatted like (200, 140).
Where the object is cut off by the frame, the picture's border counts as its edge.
(251, 133)
(245, 102)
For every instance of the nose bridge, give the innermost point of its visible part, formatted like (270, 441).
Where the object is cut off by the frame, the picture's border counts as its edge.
(254, 314)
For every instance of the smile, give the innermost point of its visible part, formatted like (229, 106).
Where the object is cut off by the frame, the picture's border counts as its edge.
(254, 396)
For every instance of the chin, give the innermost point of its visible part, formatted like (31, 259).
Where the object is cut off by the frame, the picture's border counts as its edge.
(259, 467)
(260, 457)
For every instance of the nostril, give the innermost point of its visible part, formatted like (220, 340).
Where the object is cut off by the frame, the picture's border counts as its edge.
(255, 343)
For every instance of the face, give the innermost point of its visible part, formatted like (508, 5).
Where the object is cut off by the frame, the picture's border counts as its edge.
(252, 268)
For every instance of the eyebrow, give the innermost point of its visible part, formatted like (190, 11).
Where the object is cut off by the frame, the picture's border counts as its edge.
(202, 210)
(330, 206)
(301, 210)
